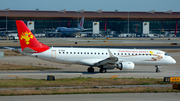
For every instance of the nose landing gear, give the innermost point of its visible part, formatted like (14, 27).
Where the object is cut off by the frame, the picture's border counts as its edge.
(90, 70)
(157, 68)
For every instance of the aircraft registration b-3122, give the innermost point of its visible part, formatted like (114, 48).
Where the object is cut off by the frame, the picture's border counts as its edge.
(105, 59)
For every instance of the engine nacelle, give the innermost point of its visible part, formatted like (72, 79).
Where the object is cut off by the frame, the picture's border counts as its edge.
(126, 66)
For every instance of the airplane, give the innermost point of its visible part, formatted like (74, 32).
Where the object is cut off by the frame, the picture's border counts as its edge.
(72, 31)
(105, 59)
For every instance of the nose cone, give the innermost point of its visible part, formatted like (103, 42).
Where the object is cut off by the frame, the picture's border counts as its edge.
(173, 61)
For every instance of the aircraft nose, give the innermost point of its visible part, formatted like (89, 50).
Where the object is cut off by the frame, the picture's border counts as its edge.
(173, 61)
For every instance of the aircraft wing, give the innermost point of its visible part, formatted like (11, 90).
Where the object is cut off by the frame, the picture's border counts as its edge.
(87, 29)
(17, 50)
(26, 51)
(110, 60)
(98, 62)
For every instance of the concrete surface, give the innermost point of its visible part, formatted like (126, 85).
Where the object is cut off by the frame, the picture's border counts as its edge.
(97, 97)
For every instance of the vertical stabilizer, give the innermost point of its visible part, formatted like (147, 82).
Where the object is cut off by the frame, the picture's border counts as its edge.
(27, 39)
(80, 26)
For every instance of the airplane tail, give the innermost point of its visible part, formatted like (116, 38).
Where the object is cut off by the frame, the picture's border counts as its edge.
(27, 39)
(80, 26)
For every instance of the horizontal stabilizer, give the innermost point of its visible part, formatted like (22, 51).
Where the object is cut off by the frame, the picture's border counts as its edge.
(28, 50)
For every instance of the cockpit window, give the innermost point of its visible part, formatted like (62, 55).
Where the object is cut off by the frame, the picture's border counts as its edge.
(166, 54)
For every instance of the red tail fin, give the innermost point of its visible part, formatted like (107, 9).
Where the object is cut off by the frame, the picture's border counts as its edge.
(27, 39)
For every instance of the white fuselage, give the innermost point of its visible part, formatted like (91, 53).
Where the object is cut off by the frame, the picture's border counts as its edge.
(90, 56)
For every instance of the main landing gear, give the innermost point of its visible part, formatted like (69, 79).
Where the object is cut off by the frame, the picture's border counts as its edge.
(101, 70)
(157, 68)
(90, 70)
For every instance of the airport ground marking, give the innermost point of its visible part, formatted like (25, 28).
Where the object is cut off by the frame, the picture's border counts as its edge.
(15, 76)
(114, 76)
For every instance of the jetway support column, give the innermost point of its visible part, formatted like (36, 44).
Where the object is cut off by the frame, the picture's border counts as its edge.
(68, 23)
(59, 22)
(162, 30)
(176, 27)
(136, 27)
(105, 25)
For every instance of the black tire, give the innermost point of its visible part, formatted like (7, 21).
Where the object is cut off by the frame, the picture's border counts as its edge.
(90, 70)
(102, 70)
(157, 70)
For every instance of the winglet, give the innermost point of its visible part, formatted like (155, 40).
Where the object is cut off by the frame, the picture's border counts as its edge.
(110, 53)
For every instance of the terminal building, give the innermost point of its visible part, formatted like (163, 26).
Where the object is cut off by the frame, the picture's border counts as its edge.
(115, 21)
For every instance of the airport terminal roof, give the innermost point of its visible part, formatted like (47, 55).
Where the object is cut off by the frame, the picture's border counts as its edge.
(89, 15)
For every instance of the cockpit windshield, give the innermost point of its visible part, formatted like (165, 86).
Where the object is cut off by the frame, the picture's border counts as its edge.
(166, 54)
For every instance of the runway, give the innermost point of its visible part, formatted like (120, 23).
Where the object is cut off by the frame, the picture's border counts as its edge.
(81, 71)
(97, 97)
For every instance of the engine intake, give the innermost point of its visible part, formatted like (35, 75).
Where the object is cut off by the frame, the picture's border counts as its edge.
(125, 66)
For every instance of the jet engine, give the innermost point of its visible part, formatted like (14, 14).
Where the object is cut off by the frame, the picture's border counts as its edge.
(125, 66)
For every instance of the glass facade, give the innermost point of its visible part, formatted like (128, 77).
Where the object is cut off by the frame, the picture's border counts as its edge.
(158, 27)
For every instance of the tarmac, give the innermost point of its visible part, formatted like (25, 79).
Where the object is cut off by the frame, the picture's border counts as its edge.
(97, 97)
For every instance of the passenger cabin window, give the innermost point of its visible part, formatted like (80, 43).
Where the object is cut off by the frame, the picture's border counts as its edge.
(78, 52)
(81, 52)
(125, 53)
(66, 52)
(129, 54)
(95, 53)
(118, 53)
(132, 54)
(70, 52)
(87, 52)
(102, 53)
(98, 53)
(59, 52)
(91, 53)
(84, 52)
(121, 53)
(106, 53)
(74, 52)
(114, 53)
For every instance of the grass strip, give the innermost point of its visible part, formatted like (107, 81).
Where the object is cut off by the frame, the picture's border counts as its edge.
(87, 91)
(68, 82)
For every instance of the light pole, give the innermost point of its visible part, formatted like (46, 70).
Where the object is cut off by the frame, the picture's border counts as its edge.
(6, 10)
(80, 11)
(78, 18)
(128, 22)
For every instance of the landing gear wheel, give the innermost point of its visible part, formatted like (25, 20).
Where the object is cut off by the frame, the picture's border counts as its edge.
(157, 70)
(102, 70)
(90, 70)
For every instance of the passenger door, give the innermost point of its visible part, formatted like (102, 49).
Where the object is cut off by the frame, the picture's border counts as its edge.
(53, 54)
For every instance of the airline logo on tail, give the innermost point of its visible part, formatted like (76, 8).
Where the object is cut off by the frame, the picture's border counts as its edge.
(81, 23)
(26, 36)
